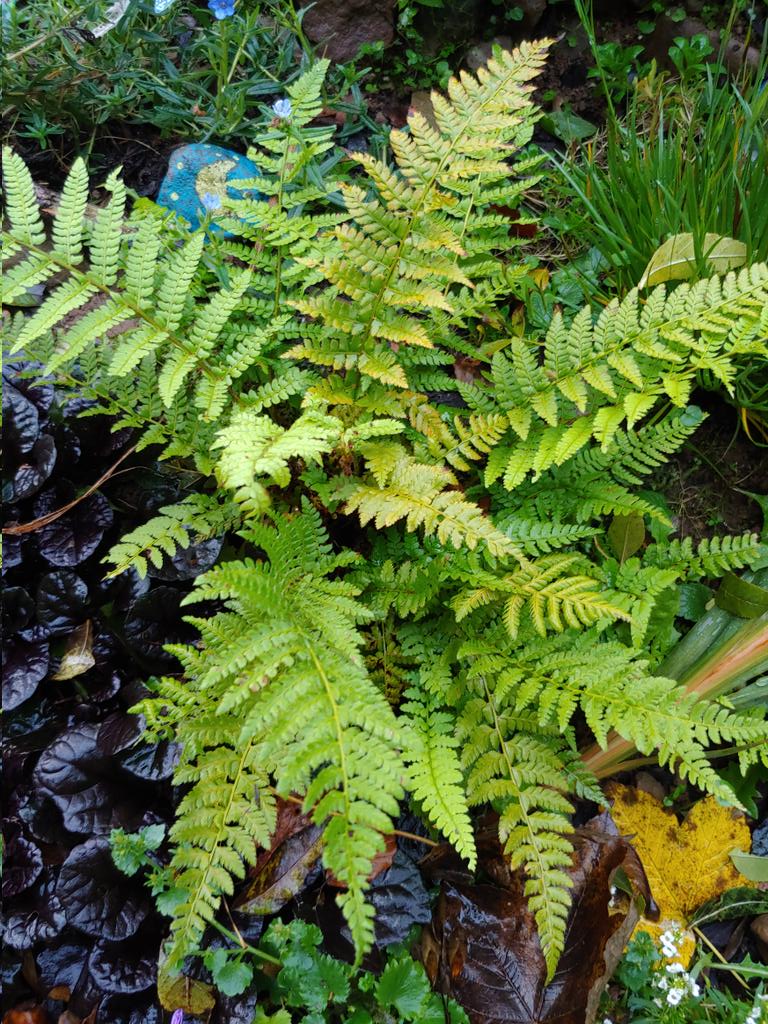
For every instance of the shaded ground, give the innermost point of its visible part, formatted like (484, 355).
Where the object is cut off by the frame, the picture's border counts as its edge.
(705, 481)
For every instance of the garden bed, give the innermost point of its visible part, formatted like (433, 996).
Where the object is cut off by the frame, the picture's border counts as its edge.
(385, 610)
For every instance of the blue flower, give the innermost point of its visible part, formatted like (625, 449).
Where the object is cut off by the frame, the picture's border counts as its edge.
(221, 8)
(178, 1017)
(211, 201)
(282, 108)
(161, 6)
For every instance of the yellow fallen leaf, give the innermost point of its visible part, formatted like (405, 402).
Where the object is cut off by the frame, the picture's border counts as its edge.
(675, 260)
(687, 863)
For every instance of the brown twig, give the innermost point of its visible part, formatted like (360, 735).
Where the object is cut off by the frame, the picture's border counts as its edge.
(36, 524)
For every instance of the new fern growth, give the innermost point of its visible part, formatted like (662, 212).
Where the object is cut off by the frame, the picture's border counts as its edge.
(439, 644)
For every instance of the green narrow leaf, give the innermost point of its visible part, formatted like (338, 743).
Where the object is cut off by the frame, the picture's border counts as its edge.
(740, 597)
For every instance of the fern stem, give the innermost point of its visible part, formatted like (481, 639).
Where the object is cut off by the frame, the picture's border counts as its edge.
(235, 936)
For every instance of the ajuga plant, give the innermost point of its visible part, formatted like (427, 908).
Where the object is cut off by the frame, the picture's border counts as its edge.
(437, 578)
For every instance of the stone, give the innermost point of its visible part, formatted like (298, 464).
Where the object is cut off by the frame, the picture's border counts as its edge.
(479, 55)
(533, 12)
(340, 27)
(196, 182)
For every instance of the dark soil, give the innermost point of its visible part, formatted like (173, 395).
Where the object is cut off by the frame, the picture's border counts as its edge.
(704, 484)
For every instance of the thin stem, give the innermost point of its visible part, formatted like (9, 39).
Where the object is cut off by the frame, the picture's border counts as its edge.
(246, 946)
(36, 524)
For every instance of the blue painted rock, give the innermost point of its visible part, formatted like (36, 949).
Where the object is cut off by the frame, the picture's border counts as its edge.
(197, 181)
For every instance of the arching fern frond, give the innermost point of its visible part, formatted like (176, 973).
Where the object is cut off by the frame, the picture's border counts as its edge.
(281, 669)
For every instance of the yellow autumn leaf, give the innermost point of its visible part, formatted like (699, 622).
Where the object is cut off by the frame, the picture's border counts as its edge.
(687, 863)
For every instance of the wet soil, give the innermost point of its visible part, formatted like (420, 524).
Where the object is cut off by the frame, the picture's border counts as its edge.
(704, 484)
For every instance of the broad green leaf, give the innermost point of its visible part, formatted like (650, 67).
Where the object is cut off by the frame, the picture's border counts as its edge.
(675, 260)
(402, 986)
(750, 865)
(626, 535)
(740, 597)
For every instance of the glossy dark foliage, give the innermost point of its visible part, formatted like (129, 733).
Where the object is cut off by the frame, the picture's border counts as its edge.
(73, 764)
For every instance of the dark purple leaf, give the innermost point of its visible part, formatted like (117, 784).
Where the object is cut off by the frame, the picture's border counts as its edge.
(11, 547)
(237, 1009)
(401, 901)
(121, 591)
(94, 432)
(39, 393)
(18, 609)
(760, 840)
(42, 818)
(22, 864)
(155, 620)
(117, 733)
(35, 916)
(74, 536)
(130, 1010)
(81, 781)
(62, 601)
(97, 898)
(154, 763)
(189, 562)
(24, 667)
(34, 723)
(125, 967)
(21, 424)
(62, 963)
(33, 471)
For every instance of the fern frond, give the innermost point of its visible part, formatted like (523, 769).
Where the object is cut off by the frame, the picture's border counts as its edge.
(434, 775)
(423, 496)
(712, 557)
(253, 446)
(281, 685)
(552, 598)
(198, 517)
(521, 771)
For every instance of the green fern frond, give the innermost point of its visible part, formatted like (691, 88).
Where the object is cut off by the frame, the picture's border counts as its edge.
(522, 773)
(198, 517)
(280, 674)
(395, 268)
(424, 496)
(253, 446)
(551, 598)
(434, 775)
(712, 557)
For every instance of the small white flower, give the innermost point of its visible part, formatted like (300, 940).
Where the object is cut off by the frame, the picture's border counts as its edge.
(282, 108)
(694, 989)
(675, 968)
(674, 996)
(663, 984)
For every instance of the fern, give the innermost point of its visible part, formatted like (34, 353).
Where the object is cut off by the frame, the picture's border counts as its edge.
(281, 669)
(445, 643)
(199, 516)
(396, 270)
(422, 495)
